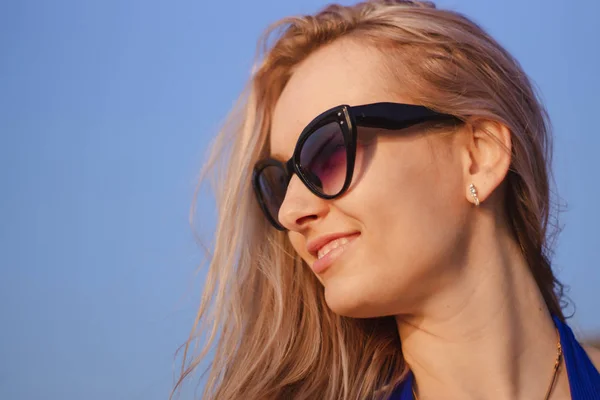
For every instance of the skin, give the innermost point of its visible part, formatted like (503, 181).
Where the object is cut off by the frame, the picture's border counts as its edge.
(471, 318)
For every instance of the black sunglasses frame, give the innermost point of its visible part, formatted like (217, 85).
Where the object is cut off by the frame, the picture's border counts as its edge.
(389, 116)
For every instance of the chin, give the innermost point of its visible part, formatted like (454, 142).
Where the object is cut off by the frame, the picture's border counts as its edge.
(372, 295)
(351, 301)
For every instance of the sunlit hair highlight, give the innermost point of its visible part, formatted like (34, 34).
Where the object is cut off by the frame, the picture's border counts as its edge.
(263, 312)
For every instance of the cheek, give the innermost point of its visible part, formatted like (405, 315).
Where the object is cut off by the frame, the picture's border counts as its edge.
(411, 208)
(415, 197)
(404, 179)
(298, 242)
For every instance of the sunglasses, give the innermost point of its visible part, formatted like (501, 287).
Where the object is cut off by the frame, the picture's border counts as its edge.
(325, 153)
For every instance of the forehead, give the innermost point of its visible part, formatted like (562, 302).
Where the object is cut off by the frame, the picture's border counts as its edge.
(343, 72)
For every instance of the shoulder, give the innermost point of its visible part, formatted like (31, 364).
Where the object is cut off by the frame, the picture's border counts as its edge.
(594, 355)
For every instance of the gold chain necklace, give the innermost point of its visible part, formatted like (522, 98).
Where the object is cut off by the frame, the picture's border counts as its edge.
(557, 364)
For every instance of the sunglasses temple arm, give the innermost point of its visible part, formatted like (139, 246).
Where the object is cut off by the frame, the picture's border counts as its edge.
(289, 168)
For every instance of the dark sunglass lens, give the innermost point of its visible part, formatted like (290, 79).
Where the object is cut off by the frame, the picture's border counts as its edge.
(323, 158)
(272, 183)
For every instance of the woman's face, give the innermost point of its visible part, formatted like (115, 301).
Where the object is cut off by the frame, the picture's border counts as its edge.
(405, 214)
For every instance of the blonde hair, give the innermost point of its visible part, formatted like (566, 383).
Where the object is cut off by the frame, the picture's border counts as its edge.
(263, 311)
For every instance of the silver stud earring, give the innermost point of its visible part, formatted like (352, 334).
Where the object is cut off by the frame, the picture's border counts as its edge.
(474, 194)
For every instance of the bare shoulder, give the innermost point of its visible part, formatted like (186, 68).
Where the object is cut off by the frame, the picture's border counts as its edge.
(594, 355)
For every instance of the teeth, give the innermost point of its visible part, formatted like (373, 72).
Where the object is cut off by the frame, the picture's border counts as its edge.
(334, 244)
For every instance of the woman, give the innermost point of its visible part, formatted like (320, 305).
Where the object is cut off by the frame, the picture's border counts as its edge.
(383, 220)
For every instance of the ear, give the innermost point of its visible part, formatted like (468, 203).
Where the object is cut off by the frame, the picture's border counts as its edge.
(487, 157)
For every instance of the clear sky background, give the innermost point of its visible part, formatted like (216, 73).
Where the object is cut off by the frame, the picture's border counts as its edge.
(106, 110)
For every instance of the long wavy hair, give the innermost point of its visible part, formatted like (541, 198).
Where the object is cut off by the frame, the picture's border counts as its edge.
(263, 318)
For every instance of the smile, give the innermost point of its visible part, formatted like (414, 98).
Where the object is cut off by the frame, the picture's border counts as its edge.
(331, 251)
(334, 244)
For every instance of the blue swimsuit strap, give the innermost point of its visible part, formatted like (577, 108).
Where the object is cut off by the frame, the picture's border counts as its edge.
(584, 378)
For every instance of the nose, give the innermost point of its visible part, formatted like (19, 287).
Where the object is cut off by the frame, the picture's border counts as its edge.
(300, 206)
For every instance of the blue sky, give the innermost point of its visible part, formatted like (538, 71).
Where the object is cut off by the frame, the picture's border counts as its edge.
(106, 110)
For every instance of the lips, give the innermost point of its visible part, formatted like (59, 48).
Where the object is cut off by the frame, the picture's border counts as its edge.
(329, 248)
(334, 244)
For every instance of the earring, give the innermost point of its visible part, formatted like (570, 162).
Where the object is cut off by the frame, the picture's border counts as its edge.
(474, 194)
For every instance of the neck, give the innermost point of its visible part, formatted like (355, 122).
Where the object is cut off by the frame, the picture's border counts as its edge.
(490, 335)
